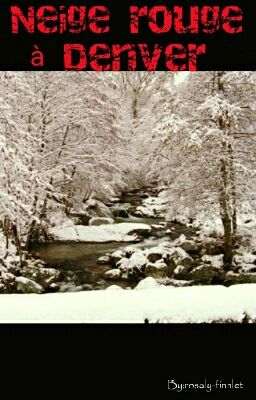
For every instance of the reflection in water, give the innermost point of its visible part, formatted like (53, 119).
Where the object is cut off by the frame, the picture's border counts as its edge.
(78, 262)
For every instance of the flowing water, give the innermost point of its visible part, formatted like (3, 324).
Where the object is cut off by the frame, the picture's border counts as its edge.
(78, 261)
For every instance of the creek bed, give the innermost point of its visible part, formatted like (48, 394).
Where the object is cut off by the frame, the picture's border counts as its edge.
(78, 261)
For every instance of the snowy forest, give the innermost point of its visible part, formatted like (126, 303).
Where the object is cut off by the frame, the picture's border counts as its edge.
(127, 184)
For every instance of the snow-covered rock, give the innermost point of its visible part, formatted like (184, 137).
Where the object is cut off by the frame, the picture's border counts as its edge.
(123, 264)
(133, 268)
(113, 274)
(245, 258)
(117, 256)
(43, 276)
(158, 252)
(137, 260)
(25, 285)
(157, 262)
(190, 246)
(114, 287)
(147, 283)
(129, 251)
(156, 270)
(96, 208)
(205, 273)
(7, 282)
(157, 228)
(248, 268)
(114, 199)
(211, 246)
(170, 282)
(181, 272)
(178, 257)
(152, 207)
(53, 288)
(105, 260)
(214, 261)
(29, 277)
(125, 232)
(79, 217)
(155, 254)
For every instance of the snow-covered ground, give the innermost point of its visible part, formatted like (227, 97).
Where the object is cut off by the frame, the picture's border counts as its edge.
(99, 234)
(157, 304)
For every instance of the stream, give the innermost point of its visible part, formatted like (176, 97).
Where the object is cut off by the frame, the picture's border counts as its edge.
(78, 261)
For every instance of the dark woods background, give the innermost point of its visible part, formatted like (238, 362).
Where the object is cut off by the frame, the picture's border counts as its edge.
(135, 360)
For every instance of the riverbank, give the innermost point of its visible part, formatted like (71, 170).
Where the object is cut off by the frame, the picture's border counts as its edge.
(68, 260)
(80, 252)
(94, 255)
(162, 304)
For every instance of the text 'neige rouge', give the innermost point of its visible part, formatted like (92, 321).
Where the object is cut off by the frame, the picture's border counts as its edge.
(159, 20)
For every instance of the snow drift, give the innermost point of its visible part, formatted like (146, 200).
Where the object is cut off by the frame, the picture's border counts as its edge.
(161, 304)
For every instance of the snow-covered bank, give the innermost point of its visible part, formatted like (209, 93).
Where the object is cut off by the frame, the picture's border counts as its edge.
(27, 276)
(163, 304)
(125, 232)
(153, 206)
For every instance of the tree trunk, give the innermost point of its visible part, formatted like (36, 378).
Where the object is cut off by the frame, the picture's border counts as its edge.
(6, 234)
(135, 106)
(68, 204)
(226, 216)
(233, 191)
(30, 235)
(227, 210)
(228, 242)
